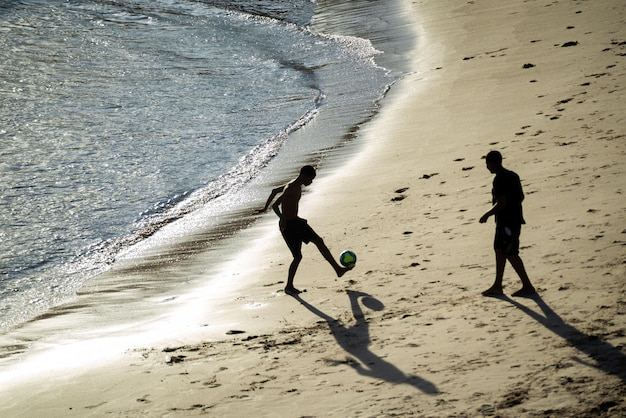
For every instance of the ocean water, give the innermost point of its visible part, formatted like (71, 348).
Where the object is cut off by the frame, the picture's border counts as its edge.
(119, 118)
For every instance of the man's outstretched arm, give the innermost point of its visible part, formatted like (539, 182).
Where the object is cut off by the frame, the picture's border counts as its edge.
(275, 191)
(496, 209)
(276, 206)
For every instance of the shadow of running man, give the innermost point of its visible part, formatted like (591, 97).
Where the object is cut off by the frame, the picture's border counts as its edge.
(608, 358)
(355, 340)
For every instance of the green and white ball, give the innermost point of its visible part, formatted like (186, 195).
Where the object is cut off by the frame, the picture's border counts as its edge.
(347, 258)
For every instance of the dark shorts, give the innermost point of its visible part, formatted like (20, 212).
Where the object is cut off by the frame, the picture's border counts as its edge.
(507, 239)
(296, 232)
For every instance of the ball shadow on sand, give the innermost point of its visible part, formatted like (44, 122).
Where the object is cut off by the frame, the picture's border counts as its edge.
(355, 340)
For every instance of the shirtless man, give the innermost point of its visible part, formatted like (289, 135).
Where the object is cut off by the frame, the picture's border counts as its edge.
(296, 230)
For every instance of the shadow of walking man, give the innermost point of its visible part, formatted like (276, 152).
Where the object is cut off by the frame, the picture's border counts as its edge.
(608, 358)
(355, 340)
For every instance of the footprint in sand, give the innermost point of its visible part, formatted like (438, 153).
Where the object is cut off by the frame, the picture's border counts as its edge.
(400, 195)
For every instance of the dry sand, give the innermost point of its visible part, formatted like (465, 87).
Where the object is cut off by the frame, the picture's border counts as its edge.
(407, 333)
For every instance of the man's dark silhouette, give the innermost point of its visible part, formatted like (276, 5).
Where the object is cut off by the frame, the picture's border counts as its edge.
(296, 230)
(507, 199)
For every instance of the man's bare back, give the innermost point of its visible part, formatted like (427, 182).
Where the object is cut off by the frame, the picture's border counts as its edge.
(289, 201)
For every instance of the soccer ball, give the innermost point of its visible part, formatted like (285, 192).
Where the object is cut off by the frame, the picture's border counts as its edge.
(347, 258)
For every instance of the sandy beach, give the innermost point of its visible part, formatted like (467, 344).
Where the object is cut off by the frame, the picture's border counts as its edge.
(407, 332)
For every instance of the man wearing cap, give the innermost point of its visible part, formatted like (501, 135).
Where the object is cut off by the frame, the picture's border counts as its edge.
(507, 200)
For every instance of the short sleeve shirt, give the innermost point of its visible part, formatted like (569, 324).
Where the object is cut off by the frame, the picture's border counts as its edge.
(507, 183)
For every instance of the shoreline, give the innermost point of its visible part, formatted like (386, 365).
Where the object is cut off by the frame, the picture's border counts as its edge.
(222, 205)
(149, 266)
(407, 332)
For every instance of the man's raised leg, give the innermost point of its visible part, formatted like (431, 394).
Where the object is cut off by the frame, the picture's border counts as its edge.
(321, 246)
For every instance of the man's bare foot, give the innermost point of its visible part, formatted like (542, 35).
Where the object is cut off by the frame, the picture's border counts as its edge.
(292, 291)
(493, 292)
(343, 270)
(525, 292)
